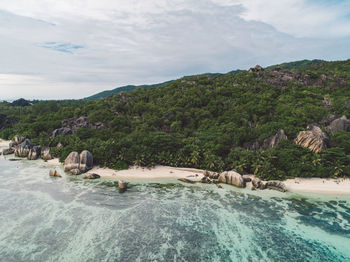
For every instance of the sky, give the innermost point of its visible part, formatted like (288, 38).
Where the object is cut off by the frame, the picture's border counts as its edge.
(69, 49)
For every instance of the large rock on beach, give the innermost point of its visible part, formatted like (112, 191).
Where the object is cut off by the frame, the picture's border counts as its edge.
(45, 154)
(72, 162)
(232, 178)
(34, 153)
(86, 161)
(8, 151)
(18, 139)
(23, 149)
(340, 124)
(276, 185)
(314, 139)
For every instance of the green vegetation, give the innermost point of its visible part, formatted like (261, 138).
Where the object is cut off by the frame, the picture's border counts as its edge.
(205, 121)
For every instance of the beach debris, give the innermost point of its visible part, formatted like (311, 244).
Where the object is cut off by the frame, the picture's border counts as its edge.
(186, 180)
(232, 178)
(91, 176)
(54, 173)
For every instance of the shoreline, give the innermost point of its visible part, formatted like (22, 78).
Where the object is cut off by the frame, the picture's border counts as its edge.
(323, 186)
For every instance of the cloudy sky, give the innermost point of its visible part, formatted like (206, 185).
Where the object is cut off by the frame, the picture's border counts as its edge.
(53, 49)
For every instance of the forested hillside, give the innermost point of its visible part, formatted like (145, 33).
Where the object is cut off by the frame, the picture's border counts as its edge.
(214, 122)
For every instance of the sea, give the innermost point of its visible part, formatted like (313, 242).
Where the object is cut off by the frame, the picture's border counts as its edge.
(72, 219)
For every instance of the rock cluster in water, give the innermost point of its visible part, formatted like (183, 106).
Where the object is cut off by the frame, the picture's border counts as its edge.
(237, 180)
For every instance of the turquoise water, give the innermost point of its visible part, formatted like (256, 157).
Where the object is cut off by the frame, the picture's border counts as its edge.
(70, 219)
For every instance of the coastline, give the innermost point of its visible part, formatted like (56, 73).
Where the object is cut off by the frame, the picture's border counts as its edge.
(323, 186)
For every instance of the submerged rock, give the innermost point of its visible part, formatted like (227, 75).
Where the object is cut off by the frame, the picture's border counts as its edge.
(75, 171)
(86, 161)
(314, 139)
(54, 173)
(186, 180)
(232, 178)
(122, 186)
(92, 176)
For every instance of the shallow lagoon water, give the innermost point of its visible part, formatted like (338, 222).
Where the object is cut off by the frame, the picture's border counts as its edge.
(71, 219)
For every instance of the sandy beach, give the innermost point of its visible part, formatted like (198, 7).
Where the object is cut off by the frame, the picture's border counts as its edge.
(319, 185)
(302, 185)
(4, 143)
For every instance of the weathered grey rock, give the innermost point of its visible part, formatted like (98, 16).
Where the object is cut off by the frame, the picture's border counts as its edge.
(8, 151)
(206, 180)
(257, 183)
(92, 176)
(64, 131)
(340, 124)
(72, 162)
(276, 185)
(86, 161)
(54, 173)
(45, 154)
(23, 149)
(314, 139)
(232, 178)
(256, 69)
(59, 145)
(34, 153)
(273, 140)
(75, 171)
(18, 140)
(247, 178)
(211, 175)
(328, 119)
(122, 185)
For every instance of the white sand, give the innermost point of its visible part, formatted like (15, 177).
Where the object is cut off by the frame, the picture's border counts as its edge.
(319, 185)
(4, 143)
(156, 172)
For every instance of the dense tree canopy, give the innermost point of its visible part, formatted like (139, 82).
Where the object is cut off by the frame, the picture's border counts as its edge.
(205, 122)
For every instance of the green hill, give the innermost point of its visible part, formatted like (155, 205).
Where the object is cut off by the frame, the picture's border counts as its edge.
(211, 121)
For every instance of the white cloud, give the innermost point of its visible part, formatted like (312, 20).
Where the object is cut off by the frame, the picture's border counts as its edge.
(138, 42)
